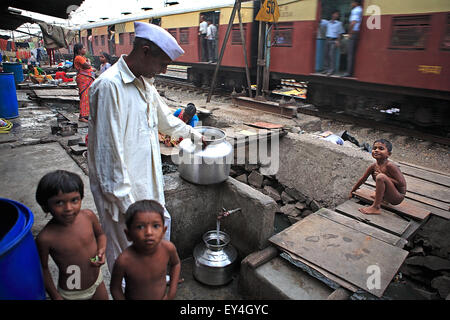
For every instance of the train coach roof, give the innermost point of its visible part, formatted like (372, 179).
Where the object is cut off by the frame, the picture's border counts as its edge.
(156, 13)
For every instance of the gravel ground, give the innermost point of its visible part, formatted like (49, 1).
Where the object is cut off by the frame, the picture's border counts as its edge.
(407, 149)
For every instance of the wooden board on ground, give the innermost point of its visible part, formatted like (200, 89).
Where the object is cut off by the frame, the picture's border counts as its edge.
(387, 220)
(423, 168)
(404, 208)
(362, 227)
(423, 188)
(434, 206)
(425, 175)
(56, 92)
(73, 117)
(342, 251)
(264, 125)
(318, 273)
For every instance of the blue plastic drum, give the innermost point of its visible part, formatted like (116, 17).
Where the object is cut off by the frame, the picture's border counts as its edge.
(20, 268)
(9, 107)
(15, 68)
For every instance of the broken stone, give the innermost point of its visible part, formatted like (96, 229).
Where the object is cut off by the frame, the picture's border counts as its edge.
(315, 205)
(300, 206)
(293, 220)
(286, 198)
(434, 235)
(242, 178)
(306, 213)
(271, 192)
(442, 284)
(429, 262)
(251, 167)
(295, 194)
(290, 210)
(255, 179)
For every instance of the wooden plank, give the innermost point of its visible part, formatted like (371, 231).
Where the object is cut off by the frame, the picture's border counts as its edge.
(264, 125)
(405, 208)
(362, 227)
(425, 175)
(168, 151)
(424, 188)
(423, 168)
(56, 92)
(426, 203)
(321, 274)
(387, 221)
(342, 251)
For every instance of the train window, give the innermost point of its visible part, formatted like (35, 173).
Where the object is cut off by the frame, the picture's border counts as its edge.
(410, 33)
(236, 35)
(121, 41)
(102, 40)
(173, 32)
(282, 35)
(445, 45)
(96, 40)
(184, 35)
(131, 37)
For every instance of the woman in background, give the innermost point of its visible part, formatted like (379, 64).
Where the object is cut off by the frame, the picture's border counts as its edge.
(85, 77)
(105, 61)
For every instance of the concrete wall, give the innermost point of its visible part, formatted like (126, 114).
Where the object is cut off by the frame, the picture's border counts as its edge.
(321, 170)
(194, 209)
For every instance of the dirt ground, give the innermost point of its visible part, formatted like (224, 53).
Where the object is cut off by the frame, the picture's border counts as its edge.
(407, 149)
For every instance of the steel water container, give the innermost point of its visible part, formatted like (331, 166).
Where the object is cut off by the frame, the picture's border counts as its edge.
(207, 165)
(214, 261)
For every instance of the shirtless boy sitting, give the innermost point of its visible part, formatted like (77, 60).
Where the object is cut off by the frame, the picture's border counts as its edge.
(144, 264)
(73, 238)
(390, 183)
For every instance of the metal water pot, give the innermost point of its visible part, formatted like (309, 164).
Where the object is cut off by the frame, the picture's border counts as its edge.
(207, 165)
(214, 262)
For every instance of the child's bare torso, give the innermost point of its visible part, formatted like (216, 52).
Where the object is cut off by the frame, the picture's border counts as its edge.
(145, 276)
(393, 172)
(71, 248)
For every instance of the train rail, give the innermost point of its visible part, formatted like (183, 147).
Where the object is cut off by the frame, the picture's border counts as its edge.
(385, 122)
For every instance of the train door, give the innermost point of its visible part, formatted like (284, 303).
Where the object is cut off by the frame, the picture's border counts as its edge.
(208, 50)
(326, 10)
(111, 40)
(156, 21)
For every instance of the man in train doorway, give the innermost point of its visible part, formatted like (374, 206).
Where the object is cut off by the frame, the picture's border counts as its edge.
(354, 27)
(211, 40)
(202, 30)
(334, 33)
(126, 113)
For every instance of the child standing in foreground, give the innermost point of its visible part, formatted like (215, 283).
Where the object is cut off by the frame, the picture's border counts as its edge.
(390, 182)
(73, 238)
(144, 263)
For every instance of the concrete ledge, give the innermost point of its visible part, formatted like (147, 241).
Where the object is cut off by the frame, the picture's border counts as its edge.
(319, 169)
(194, 210)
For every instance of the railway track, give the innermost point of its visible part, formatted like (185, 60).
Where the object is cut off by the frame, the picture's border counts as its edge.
(176, 79)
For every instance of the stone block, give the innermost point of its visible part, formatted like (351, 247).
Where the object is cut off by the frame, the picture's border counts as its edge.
(442, 284)
(300, 206)
(242, 178)
(430, 262)
(290, 210)
(314, 205)
(255, 179)
(286, 198)
(271, 192)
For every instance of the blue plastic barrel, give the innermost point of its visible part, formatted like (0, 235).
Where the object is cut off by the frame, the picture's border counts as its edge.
(9, 107)
(20, 267)
(15, 68)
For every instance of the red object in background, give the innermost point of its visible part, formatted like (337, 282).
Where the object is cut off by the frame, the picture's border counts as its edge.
(62, 75)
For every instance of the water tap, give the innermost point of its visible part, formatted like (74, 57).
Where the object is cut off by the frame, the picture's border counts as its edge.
(226, 212)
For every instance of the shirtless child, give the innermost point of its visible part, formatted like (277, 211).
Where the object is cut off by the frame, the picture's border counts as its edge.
(390, 183)
(73, 238)
(144, 264)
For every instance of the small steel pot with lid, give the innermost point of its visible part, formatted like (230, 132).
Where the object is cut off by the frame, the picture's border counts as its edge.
(207, 165)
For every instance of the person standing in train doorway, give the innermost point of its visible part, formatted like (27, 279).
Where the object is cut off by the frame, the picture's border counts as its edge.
(355, 26)
(202, 30)
(334, 33)
(211, 41)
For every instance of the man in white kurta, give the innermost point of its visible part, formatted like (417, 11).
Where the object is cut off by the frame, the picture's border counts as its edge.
(123, 149)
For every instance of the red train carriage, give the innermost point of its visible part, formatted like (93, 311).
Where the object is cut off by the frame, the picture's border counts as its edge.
(404, 62)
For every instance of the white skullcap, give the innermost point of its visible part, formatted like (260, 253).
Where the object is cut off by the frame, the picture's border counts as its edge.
(160, 37)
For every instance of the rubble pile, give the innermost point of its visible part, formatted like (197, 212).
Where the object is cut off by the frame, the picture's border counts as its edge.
(291, 203)
(427, 268)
